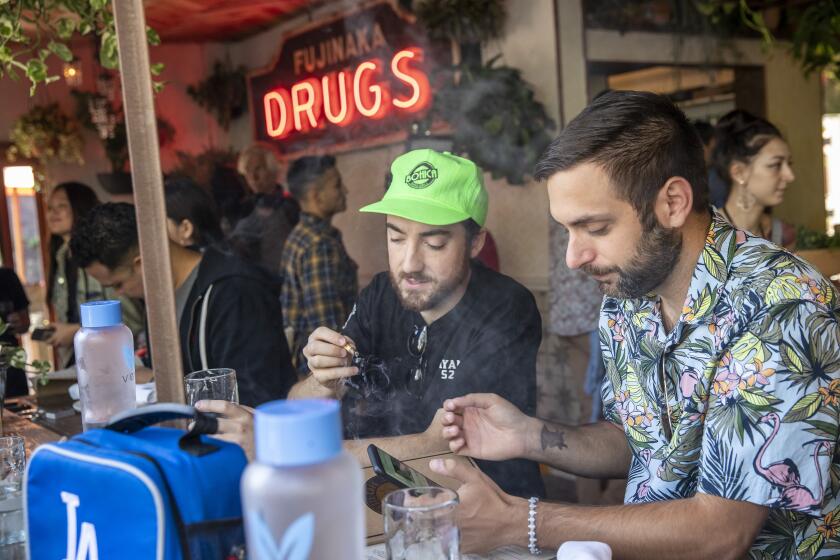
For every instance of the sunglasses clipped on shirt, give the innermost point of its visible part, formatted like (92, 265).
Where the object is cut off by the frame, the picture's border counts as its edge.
(417, 350)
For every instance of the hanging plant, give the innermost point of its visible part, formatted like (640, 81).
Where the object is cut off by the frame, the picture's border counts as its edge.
(32, 32)
(463, 21)
(496, 120)
(812, 27)
(223, 93)
(46, 134)
(96, 112)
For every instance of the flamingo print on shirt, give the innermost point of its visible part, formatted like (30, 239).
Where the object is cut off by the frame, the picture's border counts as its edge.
(784, 474)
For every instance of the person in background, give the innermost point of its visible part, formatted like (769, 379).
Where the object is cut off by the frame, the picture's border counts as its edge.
(68, 285)
(754, 160)
(260, 236)
(191, 219)
(14, 311)
(320, 282)
(228, 311)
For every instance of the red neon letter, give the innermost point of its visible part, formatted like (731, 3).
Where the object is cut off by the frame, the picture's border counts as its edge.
(371, 99)
(312, 105)
(415, 78)
(335, 85)
(277, 123)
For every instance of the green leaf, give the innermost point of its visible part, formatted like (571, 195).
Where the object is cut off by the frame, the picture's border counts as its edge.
(157, 87)
(792, 359)
(758, 398)
(6, 28)
(152, 36)
(809, 548)
(5, 54)
(714, 263)
(98, 4)
(638, 435)
(36, 71)
(156, 69)
(108, 55)
(65, 28)
(745, 347)
(804, 408)
(61, 51)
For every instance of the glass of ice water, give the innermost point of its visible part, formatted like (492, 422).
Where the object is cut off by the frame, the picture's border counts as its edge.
(420, 524)
(12, 462)
(211, 384)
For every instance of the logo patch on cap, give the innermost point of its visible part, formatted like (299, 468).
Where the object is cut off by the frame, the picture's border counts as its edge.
(422, 176)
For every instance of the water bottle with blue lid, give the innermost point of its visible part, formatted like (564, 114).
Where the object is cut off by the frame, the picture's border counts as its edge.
(105, 363)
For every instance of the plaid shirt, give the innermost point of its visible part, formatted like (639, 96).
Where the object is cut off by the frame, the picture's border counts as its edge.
(319, 282)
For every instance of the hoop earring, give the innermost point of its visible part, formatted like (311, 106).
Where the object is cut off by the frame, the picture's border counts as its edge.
(745, 200)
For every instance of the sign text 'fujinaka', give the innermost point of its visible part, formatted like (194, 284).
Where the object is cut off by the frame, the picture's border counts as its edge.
(350, 82)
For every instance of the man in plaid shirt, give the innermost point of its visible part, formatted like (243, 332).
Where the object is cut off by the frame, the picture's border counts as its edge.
(319, 277)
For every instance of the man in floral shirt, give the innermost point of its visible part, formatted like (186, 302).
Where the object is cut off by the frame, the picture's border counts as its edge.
(723, 366)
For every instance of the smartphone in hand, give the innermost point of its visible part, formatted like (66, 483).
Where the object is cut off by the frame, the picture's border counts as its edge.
(395, 471)
(42, 333)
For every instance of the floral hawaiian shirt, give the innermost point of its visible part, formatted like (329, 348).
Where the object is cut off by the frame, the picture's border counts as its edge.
(748, 383)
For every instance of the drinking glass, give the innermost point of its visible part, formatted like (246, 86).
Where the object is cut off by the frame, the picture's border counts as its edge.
(12, 462)
(420, 524)
(211, 384)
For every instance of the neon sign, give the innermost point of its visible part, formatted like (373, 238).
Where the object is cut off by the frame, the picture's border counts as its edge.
(339, 98)
(357, 80)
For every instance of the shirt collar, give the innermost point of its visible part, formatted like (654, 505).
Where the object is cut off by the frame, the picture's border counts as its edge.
(711, 272)
(318, 224)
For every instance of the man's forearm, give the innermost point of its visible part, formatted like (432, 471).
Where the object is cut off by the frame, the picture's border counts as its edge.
(597, 450)
(309, 388)
(674, 529)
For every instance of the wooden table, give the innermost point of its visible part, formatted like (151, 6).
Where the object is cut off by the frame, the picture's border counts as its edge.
(37, 429)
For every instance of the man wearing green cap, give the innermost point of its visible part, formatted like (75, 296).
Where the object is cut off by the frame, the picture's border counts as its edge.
(435, 326)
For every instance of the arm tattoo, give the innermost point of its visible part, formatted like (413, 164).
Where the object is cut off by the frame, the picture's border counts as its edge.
(551, 438)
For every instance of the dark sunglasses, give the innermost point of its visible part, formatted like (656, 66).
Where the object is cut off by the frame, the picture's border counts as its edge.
(417, 350)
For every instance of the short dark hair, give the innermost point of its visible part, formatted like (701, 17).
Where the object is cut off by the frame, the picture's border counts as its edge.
(472, 228)
(704, 130)
(739, 136)
(187, 201)
(304, 171)
(641, 140)
(108, 234)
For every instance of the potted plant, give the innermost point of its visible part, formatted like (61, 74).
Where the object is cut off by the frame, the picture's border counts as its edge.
(494, 116)
(47, 135)
(819, 249)
(223, 93)
(15, 356)
(97, 112)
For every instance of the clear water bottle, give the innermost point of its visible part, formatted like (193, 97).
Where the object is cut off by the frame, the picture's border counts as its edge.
(105, 363)
(303, 498)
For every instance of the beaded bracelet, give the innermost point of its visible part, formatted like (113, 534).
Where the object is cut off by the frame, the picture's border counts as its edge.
(532, 526)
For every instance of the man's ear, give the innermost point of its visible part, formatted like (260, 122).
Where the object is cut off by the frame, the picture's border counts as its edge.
(137, 263)
(478, 243)
(674, 203)
(186, 228)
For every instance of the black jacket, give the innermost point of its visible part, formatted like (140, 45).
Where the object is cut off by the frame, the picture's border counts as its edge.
(233, 318)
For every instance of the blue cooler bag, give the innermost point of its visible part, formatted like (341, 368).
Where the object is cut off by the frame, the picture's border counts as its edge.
(134, 491)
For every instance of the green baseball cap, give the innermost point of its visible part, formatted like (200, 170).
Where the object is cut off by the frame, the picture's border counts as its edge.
(434, 188)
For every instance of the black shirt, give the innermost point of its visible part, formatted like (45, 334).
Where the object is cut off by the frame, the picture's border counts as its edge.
(486, 344)
(12, 298)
